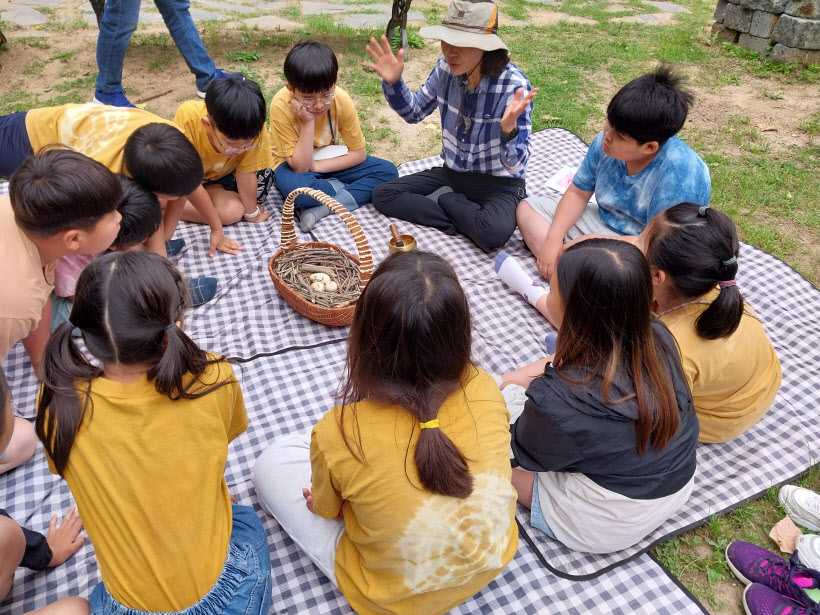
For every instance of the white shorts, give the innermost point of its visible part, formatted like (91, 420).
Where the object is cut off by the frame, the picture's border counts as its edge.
(589, 223)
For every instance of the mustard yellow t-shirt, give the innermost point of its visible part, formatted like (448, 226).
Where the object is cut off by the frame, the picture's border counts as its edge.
(147, 474)
(217, 165)
(343, 122)
(734, 380)
(27, 282)
(406, 550)
(98, 131)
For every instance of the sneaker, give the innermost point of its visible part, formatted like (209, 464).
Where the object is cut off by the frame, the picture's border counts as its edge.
(761, 600)
(174, 246)
(220, 74)
(808, 551)
(802, 505)
(202, 290)
(117, 99)
(753, 564)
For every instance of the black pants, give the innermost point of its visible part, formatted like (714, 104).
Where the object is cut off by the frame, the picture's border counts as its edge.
(37, 554)
(482, 207)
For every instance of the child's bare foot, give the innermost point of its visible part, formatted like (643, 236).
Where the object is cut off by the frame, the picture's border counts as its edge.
(64, 539)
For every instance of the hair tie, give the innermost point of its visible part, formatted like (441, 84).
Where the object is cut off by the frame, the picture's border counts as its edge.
(173, 325)
(702, 211)
(730, 261)
(429, 424)
(727, 283)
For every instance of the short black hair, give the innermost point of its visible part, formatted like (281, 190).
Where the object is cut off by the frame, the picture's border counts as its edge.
(162, 159)
(60, 189)
(236, 107)
(311, 67)
(493, 62)
(650, 108)
(141, 214)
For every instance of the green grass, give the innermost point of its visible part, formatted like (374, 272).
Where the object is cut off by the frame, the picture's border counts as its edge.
(244, 56)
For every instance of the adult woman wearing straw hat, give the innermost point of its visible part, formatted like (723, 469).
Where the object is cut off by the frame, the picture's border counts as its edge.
(485, 104)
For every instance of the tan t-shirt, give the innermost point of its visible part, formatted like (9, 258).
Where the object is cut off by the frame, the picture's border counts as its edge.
(343, 121)
(147, 474)
(26, 283)
(734, 380)
(217, 165)
(98, 131)
(406, 550)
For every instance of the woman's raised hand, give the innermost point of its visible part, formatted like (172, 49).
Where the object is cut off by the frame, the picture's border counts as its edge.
(516, 108)
(388, 66)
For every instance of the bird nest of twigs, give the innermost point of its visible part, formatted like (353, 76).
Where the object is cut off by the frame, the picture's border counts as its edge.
(323, 276)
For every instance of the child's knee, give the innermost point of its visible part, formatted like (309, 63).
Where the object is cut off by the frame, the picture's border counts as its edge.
(523, 212)
(22, 445)
(231, 212)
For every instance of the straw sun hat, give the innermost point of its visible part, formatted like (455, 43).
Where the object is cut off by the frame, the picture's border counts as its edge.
(468, 23)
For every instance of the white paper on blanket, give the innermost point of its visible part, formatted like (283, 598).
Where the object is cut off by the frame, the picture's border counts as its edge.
(562, 179)
(329, 151)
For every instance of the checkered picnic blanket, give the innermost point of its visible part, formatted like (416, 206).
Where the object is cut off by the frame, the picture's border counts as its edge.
(291, 367)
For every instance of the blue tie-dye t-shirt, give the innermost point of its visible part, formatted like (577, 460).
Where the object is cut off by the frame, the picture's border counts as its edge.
(628, 202)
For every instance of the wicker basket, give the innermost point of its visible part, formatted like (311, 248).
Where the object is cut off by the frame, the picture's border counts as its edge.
(335, 317)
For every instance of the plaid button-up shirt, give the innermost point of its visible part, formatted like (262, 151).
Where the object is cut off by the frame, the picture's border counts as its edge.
(470, 121)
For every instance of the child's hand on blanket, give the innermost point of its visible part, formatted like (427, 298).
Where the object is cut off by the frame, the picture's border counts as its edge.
(64, 539)
(223, 244)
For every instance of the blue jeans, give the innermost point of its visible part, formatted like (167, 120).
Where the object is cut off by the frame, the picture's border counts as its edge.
(536, 516)
(360, 181)
(243, 588)
(118, 23)
(15, 146)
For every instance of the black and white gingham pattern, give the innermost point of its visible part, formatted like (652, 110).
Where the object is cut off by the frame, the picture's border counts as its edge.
(289, 391)
(479, 150)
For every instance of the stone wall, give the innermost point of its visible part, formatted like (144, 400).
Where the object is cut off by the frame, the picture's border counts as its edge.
(782, 30)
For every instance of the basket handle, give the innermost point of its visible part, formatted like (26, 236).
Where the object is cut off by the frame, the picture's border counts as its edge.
(362, 247)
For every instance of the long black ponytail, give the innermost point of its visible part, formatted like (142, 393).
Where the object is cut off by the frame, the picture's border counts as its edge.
(126, 306)
(698, 247)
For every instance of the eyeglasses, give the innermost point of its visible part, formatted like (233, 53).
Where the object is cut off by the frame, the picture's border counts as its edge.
(310, 101)
(234, 149)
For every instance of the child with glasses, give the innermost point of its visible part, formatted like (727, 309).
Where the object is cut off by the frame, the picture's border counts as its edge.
(228, 131)
(310, 112)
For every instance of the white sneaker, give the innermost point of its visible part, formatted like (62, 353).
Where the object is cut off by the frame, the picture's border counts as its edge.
(808, 551)
(802, 505)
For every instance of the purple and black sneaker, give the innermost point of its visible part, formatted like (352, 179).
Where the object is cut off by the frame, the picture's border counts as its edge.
(761, 600)
(753, 564)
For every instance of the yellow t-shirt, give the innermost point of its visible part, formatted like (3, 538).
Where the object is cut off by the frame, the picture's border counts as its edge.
(734, 380)
(98, 131)
(285, 127)
(147, 474)
(189, 119)
(406, 550)
(27, 283)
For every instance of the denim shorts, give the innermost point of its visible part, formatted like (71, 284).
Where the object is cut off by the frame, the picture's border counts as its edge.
(15, 145)
(536, 517)
(243, 588)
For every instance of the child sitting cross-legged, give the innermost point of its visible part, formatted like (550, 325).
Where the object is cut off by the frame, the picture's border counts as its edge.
(312, 112)
(401, 495)
(141, 216)
(150, 429)
(60, 203)
(228, 131)
(636, 167)
(730, 363)
(605, 442)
